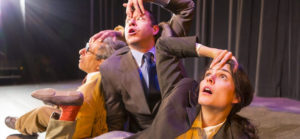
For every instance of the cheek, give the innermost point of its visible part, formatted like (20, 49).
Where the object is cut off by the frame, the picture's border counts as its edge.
(226, 91)
(227, 86)
(201, 85)
(146, 27)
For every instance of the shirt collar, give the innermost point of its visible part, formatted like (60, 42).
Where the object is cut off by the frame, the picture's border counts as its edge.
(90, 75)
(138, 56)
(198, 124)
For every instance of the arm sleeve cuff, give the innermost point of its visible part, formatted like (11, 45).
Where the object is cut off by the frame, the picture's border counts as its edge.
(198, 46)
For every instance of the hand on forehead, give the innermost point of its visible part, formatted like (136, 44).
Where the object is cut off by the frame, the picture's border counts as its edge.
(95, 44)
(135, 6)
(225, 67)
(221, 59)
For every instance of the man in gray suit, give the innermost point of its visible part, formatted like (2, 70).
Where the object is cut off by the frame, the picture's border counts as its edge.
(130, 91)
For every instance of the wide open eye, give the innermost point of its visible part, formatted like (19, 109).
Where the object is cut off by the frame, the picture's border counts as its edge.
(140, 18)
(207, 74)
(223, 76)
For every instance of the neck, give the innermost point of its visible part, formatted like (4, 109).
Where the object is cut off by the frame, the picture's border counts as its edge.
(143, 47)
(213, 116)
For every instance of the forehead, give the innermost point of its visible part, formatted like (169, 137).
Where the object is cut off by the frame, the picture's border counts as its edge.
(136, 14)
(225, 68)
(95, 45)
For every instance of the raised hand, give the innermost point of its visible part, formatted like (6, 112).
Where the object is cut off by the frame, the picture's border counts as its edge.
(220, 59)
(135, 5)
(100, 36)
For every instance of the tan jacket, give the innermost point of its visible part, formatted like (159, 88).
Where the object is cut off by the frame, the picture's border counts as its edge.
(91, 118)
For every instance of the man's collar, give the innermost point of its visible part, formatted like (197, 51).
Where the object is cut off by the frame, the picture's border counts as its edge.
(138, 56)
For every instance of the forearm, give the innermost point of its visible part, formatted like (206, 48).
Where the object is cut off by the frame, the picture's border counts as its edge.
(205, 51)
(183, 47)
(180, 47)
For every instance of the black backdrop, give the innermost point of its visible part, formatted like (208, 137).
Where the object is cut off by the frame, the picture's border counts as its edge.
(46, 41)
(263, 34)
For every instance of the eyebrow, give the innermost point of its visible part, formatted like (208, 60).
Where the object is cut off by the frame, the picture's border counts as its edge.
(222, 70)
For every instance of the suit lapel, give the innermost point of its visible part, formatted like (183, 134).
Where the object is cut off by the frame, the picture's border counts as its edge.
(132, 82)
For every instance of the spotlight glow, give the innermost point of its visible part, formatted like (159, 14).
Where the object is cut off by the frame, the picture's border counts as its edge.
(0, 15)
(0, 9)
(22, 5)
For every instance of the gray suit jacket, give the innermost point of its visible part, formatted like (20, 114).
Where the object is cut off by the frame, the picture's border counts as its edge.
(121, 83)
(179, 106)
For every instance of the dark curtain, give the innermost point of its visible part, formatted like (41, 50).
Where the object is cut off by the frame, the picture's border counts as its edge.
(264, 35)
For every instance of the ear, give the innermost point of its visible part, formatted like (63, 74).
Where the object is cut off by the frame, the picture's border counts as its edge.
(99, 62)
(155, 29)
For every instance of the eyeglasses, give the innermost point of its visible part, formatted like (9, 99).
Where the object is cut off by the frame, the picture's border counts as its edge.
(87, 49)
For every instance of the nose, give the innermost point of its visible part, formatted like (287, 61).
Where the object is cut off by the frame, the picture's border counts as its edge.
(211, 79)
(131, 22)
(82, 51)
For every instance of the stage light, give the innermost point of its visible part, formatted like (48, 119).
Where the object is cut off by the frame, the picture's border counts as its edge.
(22, 5)
(0, 6)
(0, 16)
(22, 8)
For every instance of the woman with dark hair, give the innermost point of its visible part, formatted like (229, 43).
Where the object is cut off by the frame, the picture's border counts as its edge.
(206, 110)
(243, 91)
(222, 93)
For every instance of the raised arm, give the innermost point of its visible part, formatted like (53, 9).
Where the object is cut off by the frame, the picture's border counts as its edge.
(169, 51)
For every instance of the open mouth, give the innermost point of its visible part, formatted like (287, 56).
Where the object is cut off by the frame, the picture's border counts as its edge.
(207, 90)
(131, 31)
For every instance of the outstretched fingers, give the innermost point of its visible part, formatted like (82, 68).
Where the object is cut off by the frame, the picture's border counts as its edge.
(104, 34)
(134, 6)
(218, 58)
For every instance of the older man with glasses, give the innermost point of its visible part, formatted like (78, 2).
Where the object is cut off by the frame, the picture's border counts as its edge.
(86, 105)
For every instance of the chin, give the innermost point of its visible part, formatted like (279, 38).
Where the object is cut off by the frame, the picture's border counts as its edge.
(204, 101)
(80, 67)
(133, 41)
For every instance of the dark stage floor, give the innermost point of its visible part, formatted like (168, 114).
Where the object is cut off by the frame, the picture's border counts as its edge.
(275, 117)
